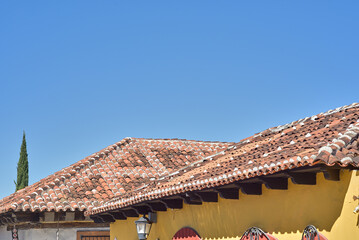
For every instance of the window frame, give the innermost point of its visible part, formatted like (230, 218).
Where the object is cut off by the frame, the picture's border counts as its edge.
(103, 233)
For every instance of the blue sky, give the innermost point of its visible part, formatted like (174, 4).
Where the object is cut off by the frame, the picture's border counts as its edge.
(78, 76)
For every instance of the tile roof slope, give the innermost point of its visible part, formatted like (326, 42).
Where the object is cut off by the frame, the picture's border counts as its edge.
(329, 138)
(120, 168)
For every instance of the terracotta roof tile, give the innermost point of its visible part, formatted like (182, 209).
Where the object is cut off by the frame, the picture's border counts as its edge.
(329, 138)
(113, 171)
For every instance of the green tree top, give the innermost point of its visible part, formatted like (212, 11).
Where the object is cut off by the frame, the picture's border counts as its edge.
(22, 167)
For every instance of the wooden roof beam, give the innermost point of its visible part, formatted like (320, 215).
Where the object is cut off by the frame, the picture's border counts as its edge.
(156, 206)
(175, 203)
(191, 198)
(208, 196)
(251, 188)
(97, 219)
(142, 209)
(118, 215)
(130, 212)
(331, 174)
(305, 178)
(228, 193)
(279, 183)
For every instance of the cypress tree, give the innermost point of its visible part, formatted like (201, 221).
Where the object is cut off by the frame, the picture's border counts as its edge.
(22, 167)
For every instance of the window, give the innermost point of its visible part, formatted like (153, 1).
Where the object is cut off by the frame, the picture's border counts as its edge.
(311, 233)
(256, 233)
(93, 235)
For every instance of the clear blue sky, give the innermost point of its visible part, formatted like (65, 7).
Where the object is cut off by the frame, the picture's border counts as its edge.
(78, 76)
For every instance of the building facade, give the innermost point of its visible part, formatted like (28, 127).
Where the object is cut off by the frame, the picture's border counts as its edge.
(295, 181)
(328, 206)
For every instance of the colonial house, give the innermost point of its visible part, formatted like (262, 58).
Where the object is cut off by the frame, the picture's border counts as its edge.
(291, 182)
(54, 207)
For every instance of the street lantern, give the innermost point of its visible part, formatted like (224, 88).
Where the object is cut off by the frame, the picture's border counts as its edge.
(143, 226)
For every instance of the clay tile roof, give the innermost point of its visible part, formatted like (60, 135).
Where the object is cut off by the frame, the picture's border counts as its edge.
(329, 138)
(118, 169)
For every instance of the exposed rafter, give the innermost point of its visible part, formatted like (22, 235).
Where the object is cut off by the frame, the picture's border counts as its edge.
(251, 188)
(118, 215)
(208, 196)
(228, 193)
(332, 174)
(130, 212)
(306, 178)
(142, 209)
(97, 219)
(191, 198)
(176, 203)
(279, 183)
(156, 206)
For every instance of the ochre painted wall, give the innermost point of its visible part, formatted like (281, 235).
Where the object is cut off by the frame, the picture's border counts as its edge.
(328, 205)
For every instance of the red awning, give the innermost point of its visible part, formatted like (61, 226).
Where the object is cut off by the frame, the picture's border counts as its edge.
(186, 234)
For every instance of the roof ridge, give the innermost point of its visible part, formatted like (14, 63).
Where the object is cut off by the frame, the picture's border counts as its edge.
(301, 121)
(177, 139)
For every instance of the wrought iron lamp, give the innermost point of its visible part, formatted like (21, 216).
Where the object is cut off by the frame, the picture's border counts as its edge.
(143, 226)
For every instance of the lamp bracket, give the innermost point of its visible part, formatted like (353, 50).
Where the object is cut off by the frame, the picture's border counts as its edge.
(152, 216)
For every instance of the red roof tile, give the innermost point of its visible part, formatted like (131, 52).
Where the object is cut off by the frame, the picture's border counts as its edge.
(118, 169)
(329, 138)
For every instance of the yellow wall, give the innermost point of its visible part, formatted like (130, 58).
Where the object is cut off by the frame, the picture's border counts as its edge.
(328, 205)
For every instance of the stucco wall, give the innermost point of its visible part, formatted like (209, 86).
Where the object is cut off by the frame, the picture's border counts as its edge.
(4, 234)
(45, 234)
(328, 205)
